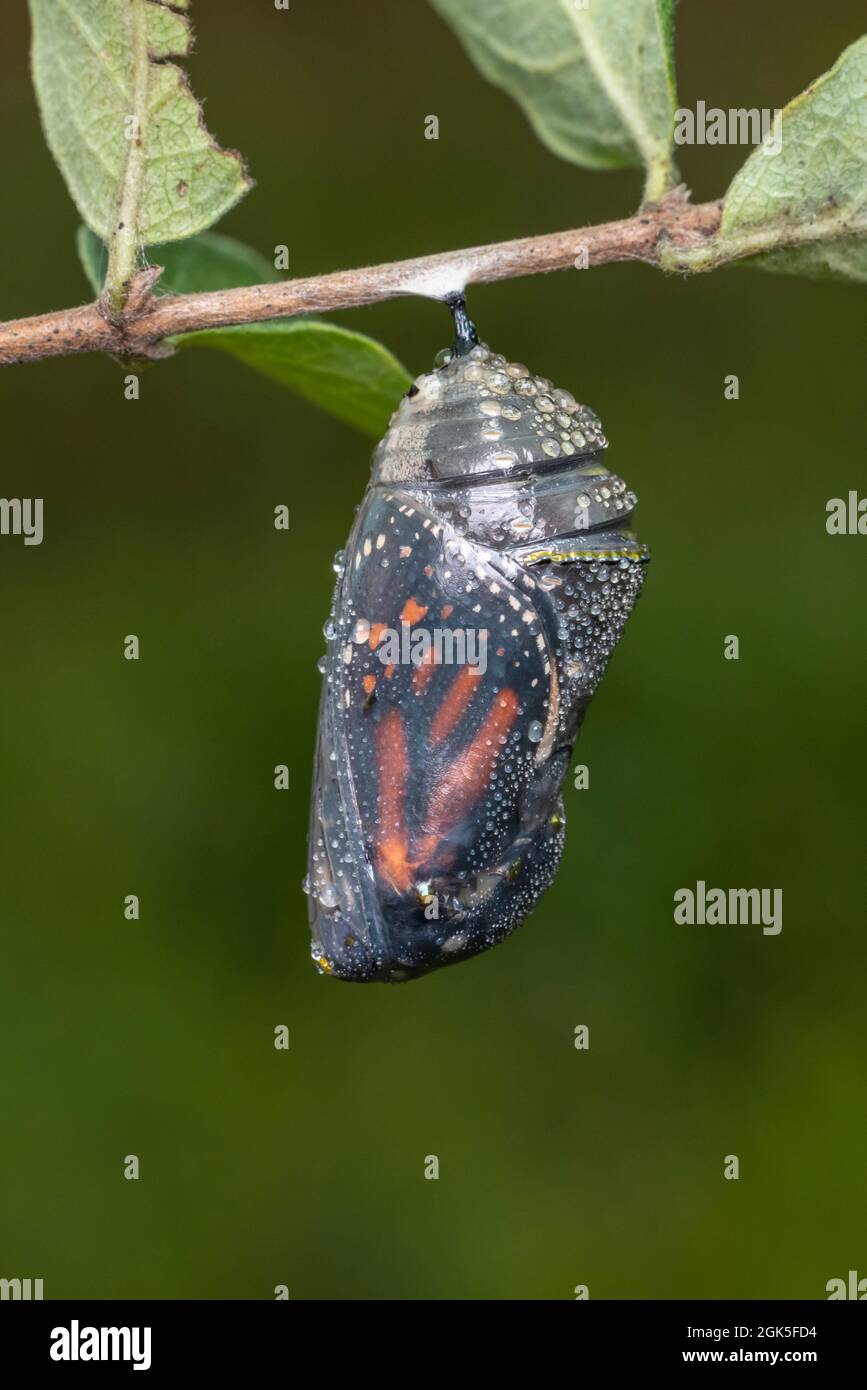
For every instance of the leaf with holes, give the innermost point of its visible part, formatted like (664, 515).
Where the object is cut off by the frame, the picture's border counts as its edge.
(124, 127)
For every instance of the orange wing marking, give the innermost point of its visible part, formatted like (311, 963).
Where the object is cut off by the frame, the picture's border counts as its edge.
(392, 766)
(460, 692)
(423, 672)
(467, 777)
(412, 612)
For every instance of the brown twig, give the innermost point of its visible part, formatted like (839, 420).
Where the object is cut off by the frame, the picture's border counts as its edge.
(154, 319)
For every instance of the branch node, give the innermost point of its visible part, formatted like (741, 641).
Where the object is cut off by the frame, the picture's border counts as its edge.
(137, 294)
(141, 291)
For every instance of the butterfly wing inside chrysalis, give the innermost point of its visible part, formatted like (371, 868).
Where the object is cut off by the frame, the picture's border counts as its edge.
(436, 817)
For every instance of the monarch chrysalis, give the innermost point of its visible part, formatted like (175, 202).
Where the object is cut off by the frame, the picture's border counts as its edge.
(483, 588)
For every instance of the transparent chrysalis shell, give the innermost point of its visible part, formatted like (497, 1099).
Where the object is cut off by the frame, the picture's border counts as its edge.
(490, 519)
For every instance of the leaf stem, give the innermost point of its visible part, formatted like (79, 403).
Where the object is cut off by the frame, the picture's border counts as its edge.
(124, 245)
(724, 248)
(658, 180)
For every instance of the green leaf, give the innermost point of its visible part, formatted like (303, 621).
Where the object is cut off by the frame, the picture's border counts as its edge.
(206, 262)
(93, 256)
(803, 211)
(347, 373)
(845, 259)
(595, 81)
(124, 127)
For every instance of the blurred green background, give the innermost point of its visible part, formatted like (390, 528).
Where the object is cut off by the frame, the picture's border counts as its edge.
(155, 1038)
